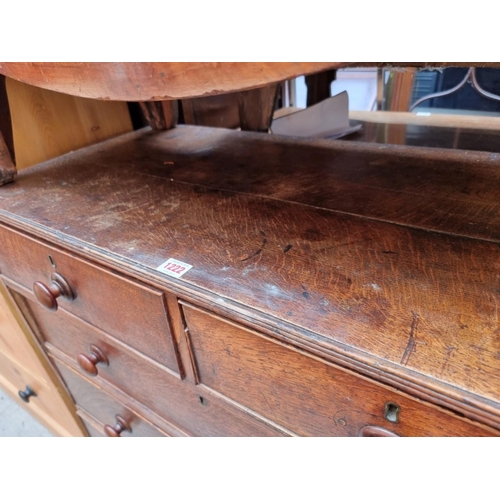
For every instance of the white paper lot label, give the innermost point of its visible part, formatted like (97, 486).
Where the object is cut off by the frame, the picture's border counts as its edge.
(173, 267)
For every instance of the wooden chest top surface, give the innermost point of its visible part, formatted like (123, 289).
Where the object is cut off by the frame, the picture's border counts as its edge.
(384, 259)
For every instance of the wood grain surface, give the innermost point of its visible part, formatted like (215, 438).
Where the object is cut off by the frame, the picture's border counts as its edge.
(301, 393)
(23, 363)
(156, 81)
(103, 407)
(191, 410)
(386, 260)
(175, 80)
(47, 124)
(102, 298)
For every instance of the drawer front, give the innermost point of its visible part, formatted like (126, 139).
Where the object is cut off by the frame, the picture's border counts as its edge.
(132, 312)
(304, 394)
(103, 408)
(17, 378)
(93, 429)
(147, 382)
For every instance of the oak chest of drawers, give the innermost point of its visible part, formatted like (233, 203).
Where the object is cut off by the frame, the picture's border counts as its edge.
(335, 289)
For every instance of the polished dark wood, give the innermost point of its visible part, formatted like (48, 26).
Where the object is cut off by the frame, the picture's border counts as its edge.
(306, 395)
(89, 362)
(427, 136)
(347, 276)
(116, 430)
(343, 244)
(248, 110)
(47, 295)
(98, 407)
(102, 297)
(146, 381)
(373, 431)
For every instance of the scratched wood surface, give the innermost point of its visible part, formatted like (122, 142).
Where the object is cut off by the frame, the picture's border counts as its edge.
(388, 255)
(307, 396)
(450, 191)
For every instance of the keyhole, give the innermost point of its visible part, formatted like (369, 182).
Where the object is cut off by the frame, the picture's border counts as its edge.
(51, 260)
(391, 412)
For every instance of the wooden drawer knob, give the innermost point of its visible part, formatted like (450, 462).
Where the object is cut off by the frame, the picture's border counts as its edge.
(120, 426)
(88, 362)
(47, 294)
(26, 394)
(374, 431)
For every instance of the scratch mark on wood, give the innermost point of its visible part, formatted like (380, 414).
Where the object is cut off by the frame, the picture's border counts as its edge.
(449, 352)
(411, 346)
(257, 252)
(269, 406)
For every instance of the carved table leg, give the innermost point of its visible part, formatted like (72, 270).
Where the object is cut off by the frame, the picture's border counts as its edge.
(161, 115)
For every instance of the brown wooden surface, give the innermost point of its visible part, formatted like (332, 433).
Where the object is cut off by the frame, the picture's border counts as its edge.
(303, 394)
(144, 380)
(433, 119)
(384, 260)
(147, 382)
(103, 408)
(428, 136)
(399, 90)
(156, 81)
(191, 410)
(168, 80)
(248, 110)
(466, 132)
(102, 298)
(161, 115)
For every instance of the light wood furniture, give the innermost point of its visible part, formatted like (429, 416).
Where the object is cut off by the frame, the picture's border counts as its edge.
(336, 288)
(23, 368)
(47, 124)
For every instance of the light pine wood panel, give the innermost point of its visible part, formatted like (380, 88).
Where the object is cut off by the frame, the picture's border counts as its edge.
(13, 342)
(47, 124)
(21, 363)
(433, 120)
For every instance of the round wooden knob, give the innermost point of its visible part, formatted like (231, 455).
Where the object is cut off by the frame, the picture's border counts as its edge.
(26, 394)
(374, 431)
(47, 295)
(88, 362)
(120, 426)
